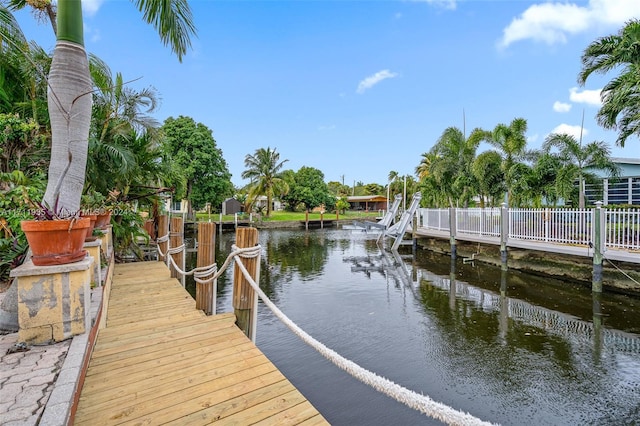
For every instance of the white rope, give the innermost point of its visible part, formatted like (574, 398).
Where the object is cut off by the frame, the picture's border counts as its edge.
(421, 403)
(418, 402)
(203, 271)
(159, 241)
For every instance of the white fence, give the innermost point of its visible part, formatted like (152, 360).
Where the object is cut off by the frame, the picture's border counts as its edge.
(437, 219)
(564, 226)
(551, 225)
(474, 221)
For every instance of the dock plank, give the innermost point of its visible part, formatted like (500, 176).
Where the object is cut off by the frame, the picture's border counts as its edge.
(159, 360)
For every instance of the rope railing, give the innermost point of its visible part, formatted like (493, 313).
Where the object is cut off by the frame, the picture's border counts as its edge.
(421, 403)
(411, 399)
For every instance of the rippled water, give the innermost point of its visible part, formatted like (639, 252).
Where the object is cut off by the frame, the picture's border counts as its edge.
(508, 348)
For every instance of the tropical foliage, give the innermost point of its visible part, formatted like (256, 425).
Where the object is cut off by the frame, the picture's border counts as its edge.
(130, 155)
(70, 85)
(620, 109)
(307, 189)
(451, 174)
(510, 142)
(263, 169)
(192, 149)
(452, 170)
(577, 163)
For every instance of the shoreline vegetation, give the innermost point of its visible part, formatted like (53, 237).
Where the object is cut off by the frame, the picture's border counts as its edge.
(285, 216)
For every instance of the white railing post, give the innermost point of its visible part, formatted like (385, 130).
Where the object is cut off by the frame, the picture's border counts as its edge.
(547, 218)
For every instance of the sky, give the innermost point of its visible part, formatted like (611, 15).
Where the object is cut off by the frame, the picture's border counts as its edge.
(358, 89)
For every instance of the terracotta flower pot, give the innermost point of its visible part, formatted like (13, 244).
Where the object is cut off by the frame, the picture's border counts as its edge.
(93, 218)
(56, 242)
(103, 219)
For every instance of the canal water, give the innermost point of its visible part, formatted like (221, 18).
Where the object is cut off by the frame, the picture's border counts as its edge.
(508, 348)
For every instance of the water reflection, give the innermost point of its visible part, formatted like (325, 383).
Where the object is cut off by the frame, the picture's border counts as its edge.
(505, 346)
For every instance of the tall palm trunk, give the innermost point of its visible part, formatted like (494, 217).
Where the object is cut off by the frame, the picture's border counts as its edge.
(581, 201)
(69, 101)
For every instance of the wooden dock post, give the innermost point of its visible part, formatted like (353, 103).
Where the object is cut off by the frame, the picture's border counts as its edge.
(205, 293)
(245, 301)
(176, 238)
(163, 230)
(306, 220)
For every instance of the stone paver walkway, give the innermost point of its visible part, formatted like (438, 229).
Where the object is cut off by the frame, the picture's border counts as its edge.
(27, 379)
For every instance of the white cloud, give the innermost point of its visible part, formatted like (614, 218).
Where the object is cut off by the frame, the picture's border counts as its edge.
(447, 4)
(532, 138)
(90, 7)
(374, 79)
(552, 22)
(561, 107)
(590, 97)
(570, 130)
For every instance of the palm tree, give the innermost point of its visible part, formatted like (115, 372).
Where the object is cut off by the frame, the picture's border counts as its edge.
(23, 67)
(489, 177)
(70, 94)
(120, 120)
(577, 161)
(393, 175)
(621, 96)
(453, 155)
(263, 169)
(117, 108)
(511, 144)
(432, 193)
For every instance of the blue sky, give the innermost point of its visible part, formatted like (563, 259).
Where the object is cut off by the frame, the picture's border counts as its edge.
(357, 89)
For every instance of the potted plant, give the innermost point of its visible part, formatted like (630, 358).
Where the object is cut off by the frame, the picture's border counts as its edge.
(55, 237)
(94, 202)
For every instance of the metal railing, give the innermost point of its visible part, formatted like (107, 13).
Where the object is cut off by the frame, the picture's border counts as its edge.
(563, 226)
(476, 221)
(437, 219)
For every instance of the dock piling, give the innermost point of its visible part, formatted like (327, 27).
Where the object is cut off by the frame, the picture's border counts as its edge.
(163, 230)
(176, 237)
(245, 300)
(206, 293)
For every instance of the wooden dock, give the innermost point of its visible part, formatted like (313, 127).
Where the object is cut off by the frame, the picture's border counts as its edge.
(159, 360)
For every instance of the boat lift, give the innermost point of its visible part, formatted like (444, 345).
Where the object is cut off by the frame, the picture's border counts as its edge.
(398, 229)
